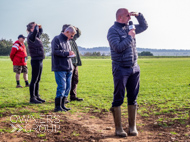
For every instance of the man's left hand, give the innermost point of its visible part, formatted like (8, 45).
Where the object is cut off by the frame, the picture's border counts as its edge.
(134, 14)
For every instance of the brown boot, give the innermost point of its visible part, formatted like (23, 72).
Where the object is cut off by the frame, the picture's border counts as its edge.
(132, 113)
(116, 111)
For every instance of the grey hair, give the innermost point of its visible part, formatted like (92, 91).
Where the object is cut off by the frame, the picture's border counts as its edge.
(70, 29)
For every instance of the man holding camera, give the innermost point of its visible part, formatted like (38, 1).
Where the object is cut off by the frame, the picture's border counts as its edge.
(19, 57)
(37, 55)
(125, 70)
(62, 66)
(76, 62)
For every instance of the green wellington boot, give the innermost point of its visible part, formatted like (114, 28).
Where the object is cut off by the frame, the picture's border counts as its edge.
(116, 111)
(132, 113)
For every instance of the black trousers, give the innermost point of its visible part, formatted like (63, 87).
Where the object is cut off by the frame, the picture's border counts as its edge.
(74, 82)
(37, 66)
(125, 79)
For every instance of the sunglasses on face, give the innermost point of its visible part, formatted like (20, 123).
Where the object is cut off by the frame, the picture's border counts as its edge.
(128, 15)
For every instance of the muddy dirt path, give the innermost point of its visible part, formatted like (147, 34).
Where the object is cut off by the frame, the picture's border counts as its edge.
(92, 127)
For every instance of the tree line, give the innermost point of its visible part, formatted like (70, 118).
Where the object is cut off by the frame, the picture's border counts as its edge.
(92, 54)
(144, 53)
(6, 45)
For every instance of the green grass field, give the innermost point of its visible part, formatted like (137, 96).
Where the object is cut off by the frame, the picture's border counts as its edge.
(164, 88)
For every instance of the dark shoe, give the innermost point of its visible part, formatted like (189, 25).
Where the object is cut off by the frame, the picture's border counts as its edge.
(19, 86)
(66, 101)
(39, 99)
(116, 111)
(58, 102)
(27, 85)
(63, 104)
(76, 99)
(33, 100)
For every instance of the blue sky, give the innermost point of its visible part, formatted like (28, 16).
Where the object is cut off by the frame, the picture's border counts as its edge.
(168, 20)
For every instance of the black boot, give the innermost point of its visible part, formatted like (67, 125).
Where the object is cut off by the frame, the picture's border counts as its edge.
(76, 99)
(63, 104)
(66, 101)
(58, 102)
(33, 100)
(39, 99)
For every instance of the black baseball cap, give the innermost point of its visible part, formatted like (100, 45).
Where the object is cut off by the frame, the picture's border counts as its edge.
(21, 36)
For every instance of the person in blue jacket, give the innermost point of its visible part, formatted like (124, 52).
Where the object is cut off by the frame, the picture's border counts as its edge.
(125, 70)
(62, 66)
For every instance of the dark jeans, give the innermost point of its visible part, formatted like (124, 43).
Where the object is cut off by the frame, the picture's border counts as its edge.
(36, 76)
(74, 82)
(125, 78)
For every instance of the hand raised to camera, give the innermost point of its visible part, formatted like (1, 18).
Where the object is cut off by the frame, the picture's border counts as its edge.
(40, 26)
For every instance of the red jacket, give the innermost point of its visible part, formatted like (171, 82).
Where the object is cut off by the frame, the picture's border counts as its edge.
(18, 54)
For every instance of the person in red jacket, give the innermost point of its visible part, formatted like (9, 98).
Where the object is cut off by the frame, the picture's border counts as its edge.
(18, 56)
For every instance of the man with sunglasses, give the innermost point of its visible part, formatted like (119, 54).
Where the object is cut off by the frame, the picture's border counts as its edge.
(62, 66)
(125, 70)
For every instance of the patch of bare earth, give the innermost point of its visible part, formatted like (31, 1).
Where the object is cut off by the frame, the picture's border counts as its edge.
(91, 127)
